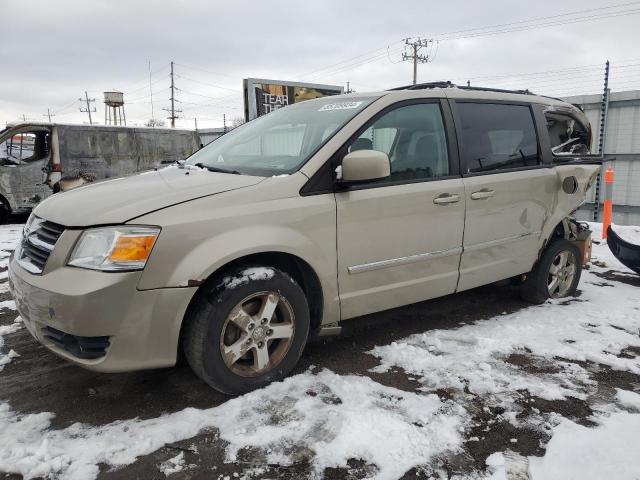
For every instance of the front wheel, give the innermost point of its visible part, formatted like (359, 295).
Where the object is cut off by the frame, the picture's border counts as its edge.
(556, 274)
(248, 330)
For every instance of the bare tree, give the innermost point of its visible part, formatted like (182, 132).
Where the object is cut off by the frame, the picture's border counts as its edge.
(155, 123)
(237, 121)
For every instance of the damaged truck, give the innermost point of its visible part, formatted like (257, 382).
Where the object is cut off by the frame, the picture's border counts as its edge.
(39, 159)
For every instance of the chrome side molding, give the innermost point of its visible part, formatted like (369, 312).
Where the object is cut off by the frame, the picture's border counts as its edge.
(394, 262)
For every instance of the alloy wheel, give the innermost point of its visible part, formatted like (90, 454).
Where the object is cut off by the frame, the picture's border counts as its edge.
(562, 271)
(257, 334)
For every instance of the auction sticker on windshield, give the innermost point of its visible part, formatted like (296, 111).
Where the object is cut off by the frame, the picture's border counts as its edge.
(339, 106)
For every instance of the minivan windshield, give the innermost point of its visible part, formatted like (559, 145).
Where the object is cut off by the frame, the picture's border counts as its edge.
(281, 141)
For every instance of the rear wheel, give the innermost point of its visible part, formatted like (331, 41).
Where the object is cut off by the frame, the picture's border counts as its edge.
(247, 331)
(556, 274)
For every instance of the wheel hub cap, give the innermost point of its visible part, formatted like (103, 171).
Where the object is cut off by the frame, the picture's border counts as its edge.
(257, 334)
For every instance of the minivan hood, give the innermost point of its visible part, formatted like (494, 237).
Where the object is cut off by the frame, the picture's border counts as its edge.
(122, 199)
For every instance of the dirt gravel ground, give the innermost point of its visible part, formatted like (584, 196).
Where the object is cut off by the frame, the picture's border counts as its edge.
(40, 382)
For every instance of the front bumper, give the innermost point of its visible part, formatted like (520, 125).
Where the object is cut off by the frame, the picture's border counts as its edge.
(142, 327)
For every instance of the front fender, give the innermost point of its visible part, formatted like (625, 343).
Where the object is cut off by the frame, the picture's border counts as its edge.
(208, 257)
(200, 237)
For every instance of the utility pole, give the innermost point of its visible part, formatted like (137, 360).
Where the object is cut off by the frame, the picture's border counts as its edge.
(412, 52)
(348, 87)
(49, 114)
(195, 120)
(173, 112)
(173, 100)
(88, 108)
(151, 94)
(224, 122)
(604, 110)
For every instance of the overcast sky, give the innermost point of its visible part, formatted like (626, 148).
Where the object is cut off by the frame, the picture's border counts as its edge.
(52, 51)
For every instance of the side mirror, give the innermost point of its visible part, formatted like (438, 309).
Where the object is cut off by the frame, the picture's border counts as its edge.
(364, 166)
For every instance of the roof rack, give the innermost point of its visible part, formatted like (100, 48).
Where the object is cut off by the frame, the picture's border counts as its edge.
(424, 86)
(498, 90)
(448, 84)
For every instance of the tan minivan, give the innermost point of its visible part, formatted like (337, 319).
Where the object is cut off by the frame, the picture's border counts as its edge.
(316, 213)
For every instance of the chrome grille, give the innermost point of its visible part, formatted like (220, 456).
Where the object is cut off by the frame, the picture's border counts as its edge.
(38, 239)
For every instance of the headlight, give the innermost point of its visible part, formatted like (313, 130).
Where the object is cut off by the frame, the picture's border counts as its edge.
(114, 248)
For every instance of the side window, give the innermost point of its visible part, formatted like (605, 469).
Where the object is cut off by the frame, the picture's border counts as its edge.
(567, 136)
(414, 139)
(25, 147)
(497, 137)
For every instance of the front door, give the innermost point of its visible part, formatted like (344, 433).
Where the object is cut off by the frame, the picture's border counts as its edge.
(509, 193)
(400, 239)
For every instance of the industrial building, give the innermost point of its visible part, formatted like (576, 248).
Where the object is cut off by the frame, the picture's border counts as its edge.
(621, 152)
(208, 135)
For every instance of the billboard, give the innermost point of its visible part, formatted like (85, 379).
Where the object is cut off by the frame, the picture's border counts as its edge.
(263, 96)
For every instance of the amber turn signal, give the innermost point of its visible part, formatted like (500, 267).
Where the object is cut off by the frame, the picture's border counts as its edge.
(132, 248)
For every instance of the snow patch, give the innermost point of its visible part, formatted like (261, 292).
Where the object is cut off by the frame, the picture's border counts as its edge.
(8, 304)
(252, 273)
(629, 400)
(580, 453)
(6, 358)
(173, 465)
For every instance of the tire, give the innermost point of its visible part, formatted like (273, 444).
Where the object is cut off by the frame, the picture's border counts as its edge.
(229, 315)
(538, 285)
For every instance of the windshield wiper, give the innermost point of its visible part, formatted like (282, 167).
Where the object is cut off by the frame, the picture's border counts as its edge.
(215, 169)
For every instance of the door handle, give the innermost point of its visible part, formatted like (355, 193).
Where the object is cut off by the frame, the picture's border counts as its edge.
(482, 194)
(446, 198)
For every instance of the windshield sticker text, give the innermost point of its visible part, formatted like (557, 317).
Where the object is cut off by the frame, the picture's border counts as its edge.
(339, 106)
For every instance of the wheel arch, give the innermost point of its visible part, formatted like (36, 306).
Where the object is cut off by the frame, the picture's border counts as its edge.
(559, 230)
(294, 266)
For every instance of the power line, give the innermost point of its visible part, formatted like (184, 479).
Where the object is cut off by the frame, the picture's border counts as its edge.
(544, 25)
(496, 29)
(532, 20)
(188, 92)
(206, 71)
(70, 105)
(377, 51)
(144, 83)
(161, 79)
(208, 84)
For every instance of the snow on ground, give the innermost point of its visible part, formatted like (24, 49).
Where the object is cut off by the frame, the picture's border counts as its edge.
(576, 452)
(173, 465)
(536, 350)
(544, 352)
(595, 327)
(9, 235)
(337, 417)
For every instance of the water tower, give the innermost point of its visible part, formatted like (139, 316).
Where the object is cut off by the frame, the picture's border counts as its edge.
(114, 108)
